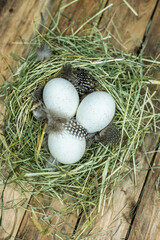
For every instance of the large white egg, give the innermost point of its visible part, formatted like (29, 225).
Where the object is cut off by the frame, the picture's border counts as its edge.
(61, 97)
(66, 148)
(96, 111)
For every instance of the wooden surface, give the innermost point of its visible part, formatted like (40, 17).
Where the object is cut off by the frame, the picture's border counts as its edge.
(16, 25)
(79, 13)
(127, 31)
(126, 28)
(146, 224)
(33, 227)
(152, 41)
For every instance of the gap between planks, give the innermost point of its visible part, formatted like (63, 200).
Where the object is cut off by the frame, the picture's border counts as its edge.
(145, 223)
(155, 158)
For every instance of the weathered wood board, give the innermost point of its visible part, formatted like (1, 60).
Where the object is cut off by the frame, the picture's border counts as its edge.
(16, 25)
(127, 27)
(16, 21)
(152, 40)
(78, 14)
(34, 226)
(146, 224)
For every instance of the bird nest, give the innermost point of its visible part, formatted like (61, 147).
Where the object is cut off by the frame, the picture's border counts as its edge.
(90, 181)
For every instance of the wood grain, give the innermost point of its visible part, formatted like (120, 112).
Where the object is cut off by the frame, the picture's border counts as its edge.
(152, 41)
(146, 225)
(16, 24)
(126, 29)
(118, 213)
(78, 13)
(35, 227)
(15, 202)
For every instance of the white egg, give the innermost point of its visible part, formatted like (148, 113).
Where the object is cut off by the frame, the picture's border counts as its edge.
(96, 111)
(61, 97)
(66, 148)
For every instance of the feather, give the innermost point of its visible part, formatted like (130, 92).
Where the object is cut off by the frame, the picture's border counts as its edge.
(110, 134)
(58, 124)
(74, 128)
(44, 52)
(38, 94)
(45, 141)
(55, 123)
(79, 77)
(52, 163)
(86, 82)
(40, 113)
(67, 73)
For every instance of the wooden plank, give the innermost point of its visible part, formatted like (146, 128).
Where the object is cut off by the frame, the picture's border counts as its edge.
(16, 23)
(115, 220)
(126, 29)
(152, 41)
(14, 206)
(35, 227)
(2, 4)
(78, 13)
(146, 225)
